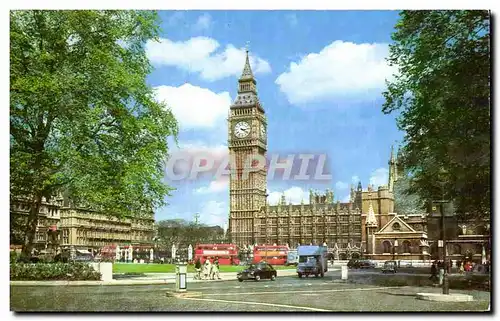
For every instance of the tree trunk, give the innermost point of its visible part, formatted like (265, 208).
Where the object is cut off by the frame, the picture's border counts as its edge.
(31, 226)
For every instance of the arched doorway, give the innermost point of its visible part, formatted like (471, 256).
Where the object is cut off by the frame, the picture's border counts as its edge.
(343, 256)
(406, 246)
(355, 255)
(387, 247)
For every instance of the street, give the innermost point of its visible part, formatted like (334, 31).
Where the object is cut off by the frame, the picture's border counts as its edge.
(285, 294)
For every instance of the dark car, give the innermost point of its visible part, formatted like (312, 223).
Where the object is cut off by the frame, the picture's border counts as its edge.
(257, 272)
(360, 264)
(390, 267)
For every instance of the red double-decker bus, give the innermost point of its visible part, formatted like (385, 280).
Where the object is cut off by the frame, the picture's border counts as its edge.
(272, 254)
(226, 253)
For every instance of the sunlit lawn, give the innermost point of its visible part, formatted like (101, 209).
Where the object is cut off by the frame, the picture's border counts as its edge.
(170, 268)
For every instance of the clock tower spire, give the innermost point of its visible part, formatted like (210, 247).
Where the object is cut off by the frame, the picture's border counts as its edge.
(247, 126)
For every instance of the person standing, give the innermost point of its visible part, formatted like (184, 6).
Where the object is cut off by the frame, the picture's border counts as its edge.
(206, 269)
(216, 269)
(197, 267)
(433, 276)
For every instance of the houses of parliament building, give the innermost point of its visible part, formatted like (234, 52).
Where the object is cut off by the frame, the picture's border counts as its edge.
(367, 225)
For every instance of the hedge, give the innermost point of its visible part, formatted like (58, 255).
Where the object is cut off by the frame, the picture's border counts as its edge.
(53, 271)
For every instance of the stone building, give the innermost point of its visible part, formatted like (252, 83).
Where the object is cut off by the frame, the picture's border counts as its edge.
(79, 228)
(384, 223)
(252, 220)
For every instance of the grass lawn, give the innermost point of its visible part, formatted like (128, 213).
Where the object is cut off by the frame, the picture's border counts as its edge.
(170, 268)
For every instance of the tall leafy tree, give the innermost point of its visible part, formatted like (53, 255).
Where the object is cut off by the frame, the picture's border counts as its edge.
(183, 233)
(442, 95)
(83, 120)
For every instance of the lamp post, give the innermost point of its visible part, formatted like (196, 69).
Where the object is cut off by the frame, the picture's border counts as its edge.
(442, 241)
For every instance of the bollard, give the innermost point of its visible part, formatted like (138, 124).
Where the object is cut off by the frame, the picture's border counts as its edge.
(441, 276)
(181, 277)
(344, 272)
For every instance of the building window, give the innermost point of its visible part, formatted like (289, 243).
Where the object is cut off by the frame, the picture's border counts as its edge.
(456, 249)
(387, 247)
(406, 247)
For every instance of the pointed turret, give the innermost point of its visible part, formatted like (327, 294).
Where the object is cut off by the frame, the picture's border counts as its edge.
(393, 171)
(393, 158)
(371, 221)
(247, 73)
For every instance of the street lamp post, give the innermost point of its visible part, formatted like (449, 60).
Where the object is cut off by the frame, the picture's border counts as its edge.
(446, 288)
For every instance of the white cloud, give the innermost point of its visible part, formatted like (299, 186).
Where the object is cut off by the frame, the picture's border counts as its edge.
(193, 106)
(196, 147)
(198, 55)
(292, 19)
(217, 186)
(214, 213)
(204, 22)
(379, 177)
(341, 185)
(294, 194)
(341, 71)
(355, 179)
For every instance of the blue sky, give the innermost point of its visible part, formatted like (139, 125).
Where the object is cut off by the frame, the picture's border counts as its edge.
(320, 75)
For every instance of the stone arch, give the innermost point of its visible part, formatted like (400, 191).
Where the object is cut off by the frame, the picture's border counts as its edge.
(343, 256)
(355, 255)
(387, 246)
(406, 246)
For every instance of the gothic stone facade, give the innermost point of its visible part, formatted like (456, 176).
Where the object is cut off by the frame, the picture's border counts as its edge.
(252, 220)
(367, 225)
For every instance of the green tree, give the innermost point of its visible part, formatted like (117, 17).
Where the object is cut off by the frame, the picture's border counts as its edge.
(83, 120)
(442, 95)
(183, 233)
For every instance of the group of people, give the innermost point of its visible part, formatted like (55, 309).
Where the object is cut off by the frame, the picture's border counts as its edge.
(462, 267)
(208, 270)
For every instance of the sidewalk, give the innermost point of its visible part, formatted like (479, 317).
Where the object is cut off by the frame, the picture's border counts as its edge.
(149, 279)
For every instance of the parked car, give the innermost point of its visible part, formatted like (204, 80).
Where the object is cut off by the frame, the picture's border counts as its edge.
(361, 264)
(390, 267)
(257, 272)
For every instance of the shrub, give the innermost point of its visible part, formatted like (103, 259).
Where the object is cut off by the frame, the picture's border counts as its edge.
(14, 256)
(53, 271)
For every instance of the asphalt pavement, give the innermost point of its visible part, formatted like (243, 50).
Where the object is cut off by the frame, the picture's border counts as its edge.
(288, 293)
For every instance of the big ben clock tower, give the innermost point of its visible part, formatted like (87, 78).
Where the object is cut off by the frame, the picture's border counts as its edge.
(247, 136)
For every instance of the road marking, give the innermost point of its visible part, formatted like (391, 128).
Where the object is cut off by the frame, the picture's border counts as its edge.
(260, 303)
(310, 291)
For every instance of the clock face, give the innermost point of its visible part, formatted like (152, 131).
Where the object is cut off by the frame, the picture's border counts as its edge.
(241, 129)
(262, 131)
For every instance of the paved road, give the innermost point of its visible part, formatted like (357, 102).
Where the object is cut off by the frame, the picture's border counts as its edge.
(284, 294)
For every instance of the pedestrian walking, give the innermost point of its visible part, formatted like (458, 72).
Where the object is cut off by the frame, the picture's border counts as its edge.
(206, 269)
(197, 267)
(216, 269)
(461, 268)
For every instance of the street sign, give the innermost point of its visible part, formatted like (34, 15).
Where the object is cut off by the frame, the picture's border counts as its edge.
(440, 243)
